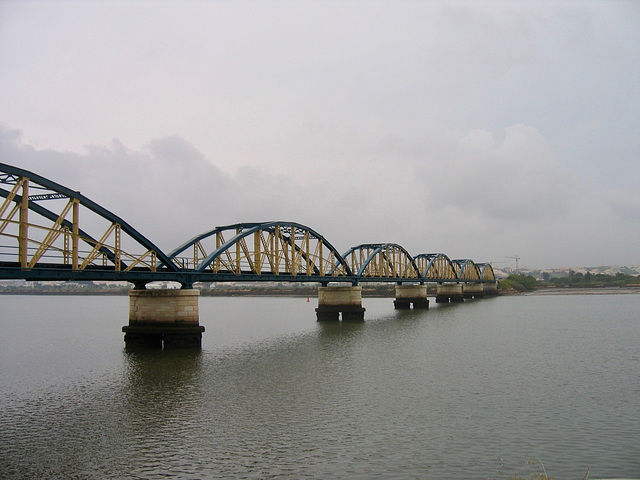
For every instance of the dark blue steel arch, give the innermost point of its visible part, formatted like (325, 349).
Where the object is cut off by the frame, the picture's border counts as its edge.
(376, 249)
(247, 229)
(432, 259)
(173, 254)
(464, 265)
(486, 270)
(11, 174)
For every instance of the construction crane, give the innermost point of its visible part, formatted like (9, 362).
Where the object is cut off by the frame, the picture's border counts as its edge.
(516, 258)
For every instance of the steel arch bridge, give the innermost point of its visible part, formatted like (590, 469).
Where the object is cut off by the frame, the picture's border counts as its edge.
(262, 251)
(51, 232)
(388, 261)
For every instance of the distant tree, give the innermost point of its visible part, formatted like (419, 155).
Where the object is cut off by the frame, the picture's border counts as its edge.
(519, 283)
(595, 280)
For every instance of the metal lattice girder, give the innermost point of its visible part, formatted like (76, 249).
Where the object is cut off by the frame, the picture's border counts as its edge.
(486, 272)
(269, 248)
(75, 232)
(73, 238)
(381, 260)
(466, 270)
(436, 267)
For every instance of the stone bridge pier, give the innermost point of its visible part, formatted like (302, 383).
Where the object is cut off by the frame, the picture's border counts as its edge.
(336, 300)
(472, 290)
(408, 295)
(163, 317)
(449, 293)
(490, 288)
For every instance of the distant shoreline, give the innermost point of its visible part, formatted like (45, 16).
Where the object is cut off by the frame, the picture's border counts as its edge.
(585, 291)
(286, 292)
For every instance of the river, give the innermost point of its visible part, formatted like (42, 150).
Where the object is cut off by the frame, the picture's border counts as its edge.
(466, 391)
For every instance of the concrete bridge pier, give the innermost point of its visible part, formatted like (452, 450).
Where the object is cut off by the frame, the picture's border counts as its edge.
(449, 293)
(472, 290)
(333, 301)
(163, 317)
(490, 288)
(406, 295)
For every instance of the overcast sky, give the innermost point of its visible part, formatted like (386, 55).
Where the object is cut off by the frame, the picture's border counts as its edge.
(480, 129)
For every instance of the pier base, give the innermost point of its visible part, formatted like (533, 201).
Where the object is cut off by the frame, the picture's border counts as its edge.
(408, 295)
(163, 317)
(472, 290)
(333, 301)
(490, 289)
(449, 293)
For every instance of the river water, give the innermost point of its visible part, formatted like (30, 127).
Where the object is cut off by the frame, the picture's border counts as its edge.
(466, 391)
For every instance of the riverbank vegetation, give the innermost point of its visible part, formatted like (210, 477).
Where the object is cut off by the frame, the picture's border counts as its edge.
(519, 283)
(527, 283)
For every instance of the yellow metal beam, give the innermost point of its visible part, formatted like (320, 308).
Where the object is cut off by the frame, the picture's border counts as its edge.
(8, 219)
(95, 251)
(268, 249)
(12, 195)
(245, 254)
(218, 260)
(306, 242)
(75, 235)
(257, 254)
(137, 261)
(294, 254)
(23, 235)
(277, 250)
(52, 235)
(238, 268)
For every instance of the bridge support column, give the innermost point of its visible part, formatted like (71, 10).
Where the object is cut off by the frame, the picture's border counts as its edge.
(490, 288)
(472, 290)
(335, 300)
(449, 293)
(169, 317)
(411, 294)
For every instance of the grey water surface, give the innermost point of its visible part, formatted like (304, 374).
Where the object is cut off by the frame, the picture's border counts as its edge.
(467, 391)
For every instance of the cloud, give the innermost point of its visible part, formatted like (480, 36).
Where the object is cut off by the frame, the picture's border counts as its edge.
(625, 205)
(169, 191)
(470, 194)
(517, 178)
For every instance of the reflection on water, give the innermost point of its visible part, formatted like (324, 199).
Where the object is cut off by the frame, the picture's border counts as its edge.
(160, 383)
(332, 330)
(466, 391)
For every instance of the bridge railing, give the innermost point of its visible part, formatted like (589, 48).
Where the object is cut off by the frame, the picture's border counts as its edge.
(59, 256)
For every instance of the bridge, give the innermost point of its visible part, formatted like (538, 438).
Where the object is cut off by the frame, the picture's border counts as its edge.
(49, 232)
